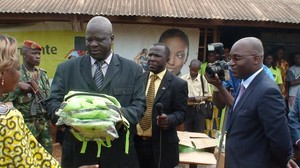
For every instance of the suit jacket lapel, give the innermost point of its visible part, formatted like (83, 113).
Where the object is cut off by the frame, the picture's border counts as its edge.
(165, 83)
(113, 69)
(243, 99)
(86, 70)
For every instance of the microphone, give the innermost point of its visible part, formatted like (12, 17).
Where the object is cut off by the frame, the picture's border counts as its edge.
(159, 107)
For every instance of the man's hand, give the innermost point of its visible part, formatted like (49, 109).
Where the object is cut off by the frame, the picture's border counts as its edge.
(214, 80)
(221, 96)
(162, 121)
(296, 154)
(25, 87)
(298, 144)
(292, 164)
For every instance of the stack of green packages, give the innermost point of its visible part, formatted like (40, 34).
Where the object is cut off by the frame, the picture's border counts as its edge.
(92, 117)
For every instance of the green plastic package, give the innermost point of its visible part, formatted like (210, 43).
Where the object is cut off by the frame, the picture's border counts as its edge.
(92, 117)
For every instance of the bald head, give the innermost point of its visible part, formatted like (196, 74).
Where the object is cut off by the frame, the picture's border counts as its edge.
(247, 57)
(101, 23)
(252, 45)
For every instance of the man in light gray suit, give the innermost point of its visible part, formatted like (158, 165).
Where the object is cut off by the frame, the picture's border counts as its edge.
(122, 79)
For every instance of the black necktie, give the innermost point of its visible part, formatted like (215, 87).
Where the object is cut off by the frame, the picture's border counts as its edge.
(98, 77)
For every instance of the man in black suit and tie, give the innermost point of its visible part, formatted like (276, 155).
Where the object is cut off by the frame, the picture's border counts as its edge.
(101, 71)
(257, 130)
(156, 138)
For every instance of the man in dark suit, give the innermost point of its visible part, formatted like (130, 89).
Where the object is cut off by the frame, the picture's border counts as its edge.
(294, 124)
(257, 128)
(122, 79)
(157, 144)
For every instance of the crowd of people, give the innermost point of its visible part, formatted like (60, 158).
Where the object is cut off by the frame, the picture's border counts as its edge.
(262, 95)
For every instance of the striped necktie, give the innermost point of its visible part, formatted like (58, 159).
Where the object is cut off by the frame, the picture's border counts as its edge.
(98, 76)
(146, 120)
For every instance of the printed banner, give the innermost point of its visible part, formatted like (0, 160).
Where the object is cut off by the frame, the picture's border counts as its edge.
(58, 40)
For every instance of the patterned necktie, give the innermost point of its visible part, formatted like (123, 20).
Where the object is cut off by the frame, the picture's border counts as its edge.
(146, 120)
(241, 92)
(98, 76)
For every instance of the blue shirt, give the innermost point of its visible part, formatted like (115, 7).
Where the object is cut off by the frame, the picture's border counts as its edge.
(233, 83)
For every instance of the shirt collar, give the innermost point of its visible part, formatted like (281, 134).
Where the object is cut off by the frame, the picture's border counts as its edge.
(247, 82)
(160, 75)
(196, 79)
(107, 60)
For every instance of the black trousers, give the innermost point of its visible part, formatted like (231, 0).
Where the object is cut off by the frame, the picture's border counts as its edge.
(144, 151)
(195, 119)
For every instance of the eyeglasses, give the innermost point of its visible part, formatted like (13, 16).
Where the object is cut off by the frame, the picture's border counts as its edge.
(236, 58)
(4, 108)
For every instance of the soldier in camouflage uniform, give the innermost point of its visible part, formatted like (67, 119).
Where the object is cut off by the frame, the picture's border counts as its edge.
(32, 89)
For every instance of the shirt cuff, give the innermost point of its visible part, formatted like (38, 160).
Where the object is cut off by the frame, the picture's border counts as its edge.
(215, 89)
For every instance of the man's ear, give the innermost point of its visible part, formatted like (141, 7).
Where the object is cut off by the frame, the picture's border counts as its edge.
(112, 37)
(257, 59)
(168, 58)
(2, 74)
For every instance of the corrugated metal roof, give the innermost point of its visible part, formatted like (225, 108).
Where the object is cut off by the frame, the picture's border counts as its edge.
(282, 11)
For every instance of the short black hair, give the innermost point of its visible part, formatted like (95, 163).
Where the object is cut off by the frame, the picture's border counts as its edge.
(279, 48)
(274, 58)
(293, 55)
(167, 50)
(195, 62)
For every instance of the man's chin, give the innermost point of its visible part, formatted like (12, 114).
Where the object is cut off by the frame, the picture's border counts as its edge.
(235, 74)
(97, 56)
(171, 70)
(152, 69)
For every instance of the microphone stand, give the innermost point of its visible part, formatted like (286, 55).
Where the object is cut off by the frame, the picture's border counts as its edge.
(160, 139)
(159, 108)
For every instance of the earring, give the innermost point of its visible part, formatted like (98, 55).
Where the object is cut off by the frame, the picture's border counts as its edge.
(2, 82)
